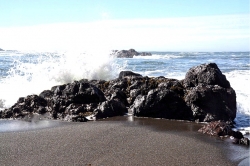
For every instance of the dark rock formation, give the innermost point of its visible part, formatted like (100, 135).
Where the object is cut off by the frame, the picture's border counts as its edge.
(110, 108)
(1, 49)
(220, 128)
(205, 74)
(129, 53)
(124, 74)
(208, 94)
(204, 94)
(161, 103)
(26, 106)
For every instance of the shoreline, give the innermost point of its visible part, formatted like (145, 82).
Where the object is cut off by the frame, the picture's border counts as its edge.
(120, 141)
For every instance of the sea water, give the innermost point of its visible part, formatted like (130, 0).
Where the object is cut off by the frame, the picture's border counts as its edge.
(25, 73)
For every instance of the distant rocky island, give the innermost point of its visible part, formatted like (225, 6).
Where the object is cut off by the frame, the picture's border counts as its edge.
(129, 53)
(1, 49)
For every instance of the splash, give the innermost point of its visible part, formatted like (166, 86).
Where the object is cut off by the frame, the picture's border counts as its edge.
(239, 80)
(35, 72)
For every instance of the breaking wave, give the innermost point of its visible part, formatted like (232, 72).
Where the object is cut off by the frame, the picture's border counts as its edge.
(35, 72)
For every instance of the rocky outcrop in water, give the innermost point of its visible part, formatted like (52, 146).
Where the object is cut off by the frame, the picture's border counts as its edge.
(1, 49)
(129, 53)
(203, 95)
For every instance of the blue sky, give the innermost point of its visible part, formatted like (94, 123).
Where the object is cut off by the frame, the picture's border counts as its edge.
(160, 25)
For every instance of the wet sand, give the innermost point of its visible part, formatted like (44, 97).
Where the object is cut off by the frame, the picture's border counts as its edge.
(119, 141)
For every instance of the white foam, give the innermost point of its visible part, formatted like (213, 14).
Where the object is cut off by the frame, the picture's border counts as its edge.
(239, 81)
(27, 78)
(156, 56)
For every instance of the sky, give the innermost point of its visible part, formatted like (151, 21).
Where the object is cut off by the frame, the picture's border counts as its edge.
(145, 25)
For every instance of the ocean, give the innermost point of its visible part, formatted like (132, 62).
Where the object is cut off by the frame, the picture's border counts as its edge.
(25, 73)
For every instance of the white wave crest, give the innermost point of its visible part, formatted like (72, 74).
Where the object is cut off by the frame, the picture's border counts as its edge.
(239, 81)
(158, 56)
(42, 71)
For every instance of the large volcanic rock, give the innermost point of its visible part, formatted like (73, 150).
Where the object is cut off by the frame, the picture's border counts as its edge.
(25, 107)
(204, 95)
(158, 97)
(206, 74)
(67, 101)
(208, 94)
(161, 103)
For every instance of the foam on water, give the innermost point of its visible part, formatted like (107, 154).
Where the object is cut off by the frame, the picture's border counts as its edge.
(40, 71)
(158, 56)
(239, 80)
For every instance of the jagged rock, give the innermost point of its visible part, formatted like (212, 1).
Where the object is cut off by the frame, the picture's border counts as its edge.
(220, 128)
(205, 74)
(211, 102)
(209, 94)
(217, 128)
(25, 106)
(161, 103)
(206, 99)
(119, 95)
(82, 93)
(156, 97)
(75, 98)
(109, 109)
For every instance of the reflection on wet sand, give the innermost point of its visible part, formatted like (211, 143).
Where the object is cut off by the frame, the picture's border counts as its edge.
(22, 125)
(123, 135)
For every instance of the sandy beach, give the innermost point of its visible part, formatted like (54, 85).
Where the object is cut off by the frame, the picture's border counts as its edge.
(119, 141)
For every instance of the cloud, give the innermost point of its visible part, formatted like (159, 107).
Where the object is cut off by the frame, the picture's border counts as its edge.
(211, 33)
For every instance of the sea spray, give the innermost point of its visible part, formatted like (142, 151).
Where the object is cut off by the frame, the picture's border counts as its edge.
(239, 80)
(31, 73)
